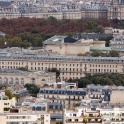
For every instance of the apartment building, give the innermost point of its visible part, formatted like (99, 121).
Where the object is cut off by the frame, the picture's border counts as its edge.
(83, 114)
(6, 103)
(68, 98)
(98, 115)
(117, 42)
(115, 10)
(25, 118)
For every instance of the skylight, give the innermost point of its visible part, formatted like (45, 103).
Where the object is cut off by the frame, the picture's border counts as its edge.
(56, 40)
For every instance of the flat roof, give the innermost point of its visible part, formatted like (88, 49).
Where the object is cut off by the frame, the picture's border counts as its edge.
(100, 48)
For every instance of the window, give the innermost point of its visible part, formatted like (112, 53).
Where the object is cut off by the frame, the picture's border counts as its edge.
(6, 103)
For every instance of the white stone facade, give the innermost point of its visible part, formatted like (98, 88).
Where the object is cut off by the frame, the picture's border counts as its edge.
(13, 77)
(25, 118)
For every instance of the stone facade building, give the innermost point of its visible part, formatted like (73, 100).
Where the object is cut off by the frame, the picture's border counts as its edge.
(69, 66)
(117, 42)
(25, 118)
(67, 97)
(69, 46)
(13, 77)
(112, 10)
(116, 10)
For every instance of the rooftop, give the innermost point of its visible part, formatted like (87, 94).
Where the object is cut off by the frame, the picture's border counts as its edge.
(58, 39)
(64, 58)
(100, 48)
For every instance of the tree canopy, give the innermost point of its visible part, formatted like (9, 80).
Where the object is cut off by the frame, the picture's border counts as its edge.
(10, 95)
(55, 70)
(25, 32)
(33, 89)
(102, 79)
(53, 26)
(111, 54)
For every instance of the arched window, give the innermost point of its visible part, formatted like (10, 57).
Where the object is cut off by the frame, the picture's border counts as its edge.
(43, 79)
(11, 80)
(22, 80)
(32, 80)
(5, 80)
(16, 81)
(0, 80)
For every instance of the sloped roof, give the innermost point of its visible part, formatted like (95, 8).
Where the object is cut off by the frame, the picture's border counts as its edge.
(58, 39)
(69, 40)
(5, 3)
(2, 33)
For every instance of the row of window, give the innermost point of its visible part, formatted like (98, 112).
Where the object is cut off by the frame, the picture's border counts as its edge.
(108, 66)
(102, 70)
(49, 65)
(18, 117)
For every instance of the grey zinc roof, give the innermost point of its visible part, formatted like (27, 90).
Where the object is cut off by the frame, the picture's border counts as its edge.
(65, 58)
(2, 33)
(57, 39)
(5, 3)
(13, 71)
(56, 115)
(54, 103)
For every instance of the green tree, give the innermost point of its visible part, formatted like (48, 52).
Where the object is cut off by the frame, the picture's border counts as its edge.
(8, 93)
(52, 19)
(114, 53)
(102, 79)
(95, 54)
(91, 25)
(55, 70)
(84, 121)
(23, 68)
(34, 31)
(33, 89)
(107, 40)
(100, 29)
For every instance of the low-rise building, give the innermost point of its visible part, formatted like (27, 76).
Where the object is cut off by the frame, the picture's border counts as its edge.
(13, 77)
(69, 46)
(6, 103)
(67, 97)
(25, 118)
(117, 42)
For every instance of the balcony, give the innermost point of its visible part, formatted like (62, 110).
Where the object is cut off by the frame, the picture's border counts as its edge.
(84, 120)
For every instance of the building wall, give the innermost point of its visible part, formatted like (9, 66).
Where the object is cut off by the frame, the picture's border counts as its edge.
(98, 43)
(60, 15)
(69, 69)
(3, 119)
(116, 96)
(117, 44)
(24, 117)
(69, 49)
(19, 78)
(116, 11)
(7, 104)
(68, 101)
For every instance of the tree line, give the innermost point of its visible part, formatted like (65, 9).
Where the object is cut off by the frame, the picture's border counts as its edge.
(110, 54)
(24, 40)
(102, 79)
(53, 26)
(25, 32)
